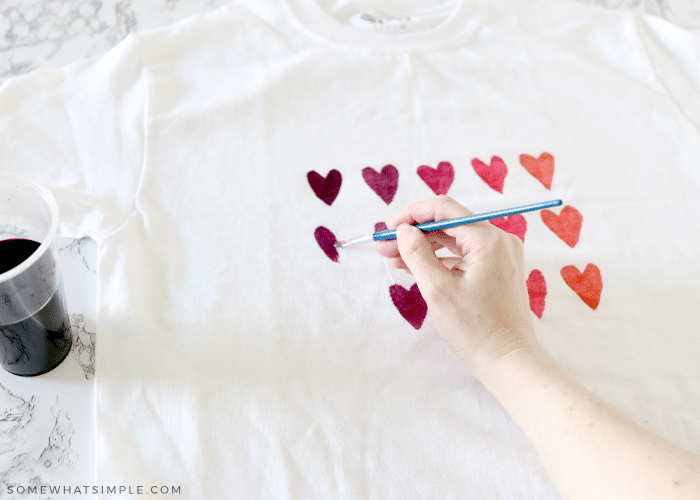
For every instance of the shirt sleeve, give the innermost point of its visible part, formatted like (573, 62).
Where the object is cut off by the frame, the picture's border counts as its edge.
(674, 54)
(80, 131)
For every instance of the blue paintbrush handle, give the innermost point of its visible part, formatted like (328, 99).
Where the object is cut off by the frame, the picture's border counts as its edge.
(444, 224)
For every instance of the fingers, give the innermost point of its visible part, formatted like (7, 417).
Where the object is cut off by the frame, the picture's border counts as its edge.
(460, 240)
(439, 208)
(437, 239)
(454, 264)
(419, 257)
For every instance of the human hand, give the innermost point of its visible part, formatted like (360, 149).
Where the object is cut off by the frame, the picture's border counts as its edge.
(478, 298)
(479, 302)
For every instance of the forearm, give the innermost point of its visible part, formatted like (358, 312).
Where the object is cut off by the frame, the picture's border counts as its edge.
(590, 449)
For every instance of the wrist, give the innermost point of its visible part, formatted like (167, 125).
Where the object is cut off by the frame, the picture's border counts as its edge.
(499, 370)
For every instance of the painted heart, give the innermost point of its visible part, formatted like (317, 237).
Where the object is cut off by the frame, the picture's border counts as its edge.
(326, 188)
(566, 225)
(515, 224)
(380, 226)
(410, 304)
(541, 168)
(588, 285)
(325, 239)
(384, 183)
(537, 290)
(494, 174)
(438, 179)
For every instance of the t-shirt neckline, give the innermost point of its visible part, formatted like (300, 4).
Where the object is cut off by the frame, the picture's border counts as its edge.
(458, 26)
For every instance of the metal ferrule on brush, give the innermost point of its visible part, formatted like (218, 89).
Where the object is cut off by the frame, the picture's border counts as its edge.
(368, 238)
(358, 240)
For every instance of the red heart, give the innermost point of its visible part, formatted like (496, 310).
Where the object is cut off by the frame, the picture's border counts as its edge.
(537, 290)
(588, 285)
(566, 225)
(325, 239)
(384, 183)
(494, 174)
(438, 179)
(326, 188)
(541, 168)
(515, 224)
(410, 304)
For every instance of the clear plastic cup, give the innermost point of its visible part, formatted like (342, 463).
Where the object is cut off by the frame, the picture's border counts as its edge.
(35, 332)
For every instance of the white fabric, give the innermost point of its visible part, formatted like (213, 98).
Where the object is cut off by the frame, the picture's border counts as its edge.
(238, 361)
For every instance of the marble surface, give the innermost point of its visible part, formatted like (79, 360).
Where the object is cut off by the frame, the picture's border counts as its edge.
(50, 33)
(46, 422)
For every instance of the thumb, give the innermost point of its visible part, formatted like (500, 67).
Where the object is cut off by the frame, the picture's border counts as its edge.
(420, 258)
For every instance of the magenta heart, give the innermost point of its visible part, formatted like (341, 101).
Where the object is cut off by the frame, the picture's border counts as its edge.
(438, 179)
(325, 239)
(537, 290)
(410, 304)
(384, 183)
(326, 188)
(380, 226)
(494, 174)
(515, 224)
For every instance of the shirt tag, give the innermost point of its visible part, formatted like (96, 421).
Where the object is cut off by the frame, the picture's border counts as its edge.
(373, 20)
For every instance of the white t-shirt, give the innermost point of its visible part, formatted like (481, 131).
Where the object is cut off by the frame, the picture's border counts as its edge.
(237, 360)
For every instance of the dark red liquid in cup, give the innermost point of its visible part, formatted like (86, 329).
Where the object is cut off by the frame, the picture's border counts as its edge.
(40, 342)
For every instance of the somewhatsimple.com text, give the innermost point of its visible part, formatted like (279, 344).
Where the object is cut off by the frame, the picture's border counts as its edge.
(86, 490)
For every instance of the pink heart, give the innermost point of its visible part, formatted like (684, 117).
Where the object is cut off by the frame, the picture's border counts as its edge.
(537, 290)
(326, 188)
(410, 304)
(515, 224)
(380, 226)
(438, 179)
(325, 239)
(494, 174)
(384, 183)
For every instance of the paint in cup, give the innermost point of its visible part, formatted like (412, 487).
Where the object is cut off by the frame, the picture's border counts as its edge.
(35, 331)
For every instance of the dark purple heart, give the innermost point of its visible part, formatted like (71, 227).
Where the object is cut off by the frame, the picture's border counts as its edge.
(325, 239)
(326, 188)
(384, 183)
(410, 304)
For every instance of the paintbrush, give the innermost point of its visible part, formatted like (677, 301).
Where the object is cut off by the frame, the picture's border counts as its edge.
(444, 224)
